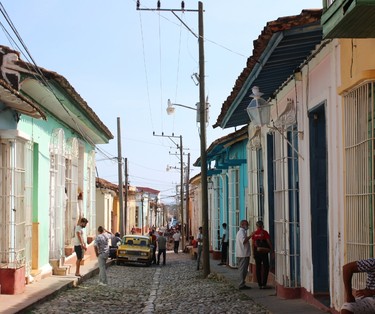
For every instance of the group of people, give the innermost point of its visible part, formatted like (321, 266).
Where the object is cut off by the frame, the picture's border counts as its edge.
(258, 242)
(160, 242)
(260, 246)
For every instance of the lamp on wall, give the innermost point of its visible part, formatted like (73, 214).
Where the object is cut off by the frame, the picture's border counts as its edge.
(259, 111)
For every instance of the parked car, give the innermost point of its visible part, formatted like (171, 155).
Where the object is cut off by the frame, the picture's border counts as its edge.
(134, 249)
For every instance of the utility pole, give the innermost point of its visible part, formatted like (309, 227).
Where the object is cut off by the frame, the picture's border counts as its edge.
(181, 181)
(187, 176)
(120, 183)
(126, 194)
(182, 196)
(202, 122)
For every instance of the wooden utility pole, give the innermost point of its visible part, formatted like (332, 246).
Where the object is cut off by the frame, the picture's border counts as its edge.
(203, 119)
(182, 195)
(181, 182)
(187, 207)
(120, 182)
(126, 195)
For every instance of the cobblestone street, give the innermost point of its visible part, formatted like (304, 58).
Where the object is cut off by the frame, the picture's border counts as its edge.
(176, 287)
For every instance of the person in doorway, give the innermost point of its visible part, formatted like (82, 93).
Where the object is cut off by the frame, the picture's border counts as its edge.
(162, 248)
(243, 253)
(79, 243)
(364, 302)
(102, 251)
(261, 246)
(199, 246)
(176, 238)
(224, 245)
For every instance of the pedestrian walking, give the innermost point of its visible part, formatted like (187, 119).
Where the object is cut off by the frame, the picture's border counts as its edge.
(199, 247)
(162, 248)
(364, 302)
(243, 253)
(176, 238)
(79, 241)
(261, 245)
(153, 242)
(102, 251)
(224, 245)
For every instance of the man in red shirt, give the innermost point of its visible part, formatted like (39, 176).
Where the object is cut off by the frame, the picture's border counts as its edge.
(261, 246)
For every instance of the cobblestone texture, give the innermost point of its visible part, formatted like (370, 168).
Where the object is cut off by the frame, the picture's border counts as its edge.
(174, 288)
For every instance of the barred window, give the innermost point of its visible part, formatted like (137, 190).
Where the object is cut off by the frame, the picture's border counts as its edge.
(234, 211)
(287, 232)
(359, 123)
(15, 203)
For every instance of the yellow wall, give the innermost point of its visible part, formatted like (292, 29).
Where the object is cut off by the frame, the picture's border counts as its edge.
(357, 62)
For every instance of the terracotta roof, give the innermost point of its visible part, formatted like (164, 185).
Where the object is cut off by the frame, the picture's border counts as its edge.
(147, 190)
(281, 47)
(104, 184)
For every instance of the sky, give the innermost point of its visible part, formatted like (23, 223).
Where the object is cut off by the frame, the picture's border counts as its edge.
(126, 64)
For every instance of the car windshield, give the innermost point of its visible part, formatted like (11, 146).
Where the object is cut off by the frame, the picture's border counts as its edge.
(135, 241)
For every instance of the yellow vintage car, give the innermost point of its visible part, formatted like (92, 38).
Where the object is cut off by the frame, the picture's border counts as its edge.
(134, 249)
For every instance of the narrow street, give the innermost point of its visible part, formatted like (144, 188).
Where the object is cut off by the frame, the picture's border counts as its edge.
(176, 287)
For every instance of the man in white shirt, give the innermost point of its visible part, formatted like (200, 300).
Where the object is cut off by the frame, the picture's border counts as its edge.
(243, 253)
(176, 238)
(79, 243)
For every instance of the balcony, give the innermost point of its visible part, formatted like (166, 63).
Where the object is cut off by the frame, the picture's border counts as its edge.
(348, 19)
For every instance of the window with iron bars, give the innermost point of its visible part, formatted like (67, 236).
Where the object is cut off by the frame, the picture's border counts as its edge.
(15, 203)
(234, 211)
(286, 204)
(256, 186)
(359, 133)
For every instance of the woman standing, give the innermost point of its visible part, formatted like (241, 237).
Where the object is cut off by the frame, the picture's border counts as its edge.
(261, 246)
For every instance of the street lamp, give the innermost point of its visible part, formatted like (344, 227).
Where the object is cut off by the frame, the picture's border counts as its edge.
(259, 111)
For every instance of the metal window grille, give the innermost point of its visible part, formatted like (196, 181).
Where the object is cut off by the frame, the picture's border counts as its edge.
(234, 212)
(256, 185)
(71, 185)
(286, 195)
(359, 124)
(215, 226)
(91, 188)
(15, 200)
(57, 194)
